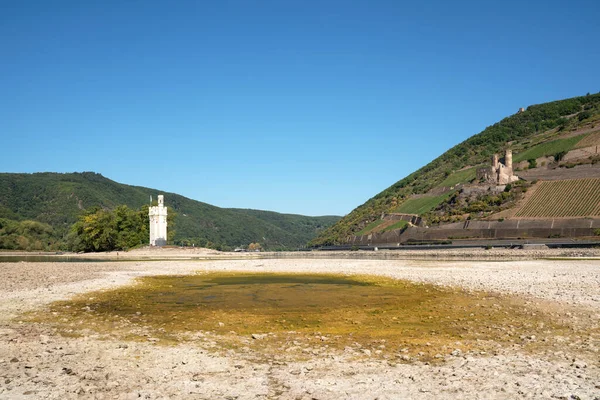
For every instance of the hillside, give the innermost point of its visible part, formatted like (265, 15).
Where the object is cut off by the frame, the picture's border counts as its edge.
(556, 139)
(55, 200)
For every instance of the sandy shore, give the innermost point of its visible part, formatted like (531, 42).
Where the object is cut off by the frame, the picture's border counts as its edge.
(35, 362)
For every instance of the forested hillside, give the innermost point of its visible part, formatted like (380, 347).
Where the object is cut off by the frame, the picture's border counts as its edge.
(56, 200)
(541, 130)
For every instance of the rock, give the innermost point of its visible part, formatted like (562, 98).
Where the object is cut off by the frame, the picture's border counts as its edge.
(259, 336)
(579, 364)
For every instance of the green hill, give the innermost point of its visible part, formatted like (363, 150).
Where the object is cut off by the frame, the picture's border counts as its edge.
(56, 200)
(543, 130)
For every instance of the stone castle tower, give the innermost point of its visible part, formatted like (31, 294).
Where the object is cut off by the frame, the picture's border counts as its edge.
(158, 223)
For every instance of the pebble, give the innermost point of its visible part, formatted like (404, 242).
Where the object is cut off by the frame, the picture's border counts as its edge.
(259, 336)
(146, 371)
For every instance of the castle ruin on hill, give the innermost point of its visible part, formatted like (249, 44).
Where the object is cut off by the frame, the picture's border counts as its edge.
(498, 173)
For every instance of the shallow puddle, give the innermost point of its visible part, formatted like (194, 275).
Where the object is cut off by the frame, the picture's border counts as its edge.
(303, 314)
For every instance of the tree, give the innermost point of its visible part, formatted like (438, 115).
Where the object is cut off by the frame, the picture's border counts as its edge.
(254, 247)
(106, 230)
(26, 235)
(560, 155)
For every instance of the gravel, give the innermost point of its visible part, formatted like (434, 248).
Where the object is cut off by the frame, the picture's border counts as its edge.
(35, 362)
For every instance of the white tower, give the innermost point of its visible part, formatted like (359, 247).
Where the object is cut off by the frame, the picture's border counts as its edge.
(158, 223)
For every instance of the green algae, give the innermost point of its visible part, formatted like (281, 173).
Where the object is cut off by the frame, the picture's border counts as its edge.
(320, 312)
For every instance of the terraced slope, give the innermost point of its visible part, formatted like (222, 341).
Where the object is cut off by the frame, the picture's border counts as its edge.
(549, 148)
(568, 198)
(421, 205)
(593, 139)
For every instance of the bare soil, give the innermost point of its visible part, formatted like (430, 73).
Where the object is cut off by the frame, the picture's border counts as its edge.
(38, 362)
(577, 172)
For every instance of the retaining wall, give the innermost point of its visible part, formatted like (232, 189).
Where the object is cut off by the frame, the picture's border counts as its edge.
(507, 229)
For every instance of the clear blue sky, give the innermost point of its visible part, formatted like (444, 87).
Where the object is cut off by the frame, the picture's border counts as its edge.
(308, 107)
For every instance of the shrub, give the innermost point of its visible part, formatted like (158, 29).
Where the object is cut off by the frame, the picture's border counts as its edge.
(584, 115)
(560, 155)
(532, 163)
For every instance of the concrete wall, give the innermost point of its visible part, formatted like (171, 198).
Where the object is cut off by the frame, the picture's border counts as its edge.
(507, 229)
(412, 218)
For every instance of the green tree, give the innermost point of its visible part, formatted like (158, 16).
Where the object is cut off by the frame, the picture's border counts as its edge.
(106, 230)
(27, 235)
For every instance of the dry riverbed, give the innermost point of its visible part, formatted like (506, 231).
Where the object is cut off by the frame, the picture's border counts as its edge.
(38, 362)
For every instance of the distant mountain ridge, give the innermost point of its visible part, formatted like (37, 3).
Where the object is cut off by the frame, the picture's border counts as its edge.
(57, 199)
(559, 139)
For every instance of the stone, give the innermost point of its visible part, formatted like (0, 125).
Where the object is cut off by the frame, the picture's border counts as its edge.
(498, 173)
(579, 364)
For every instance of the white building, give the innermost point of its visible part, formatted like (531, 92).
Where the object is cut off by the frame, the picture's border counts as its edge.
(158, 223)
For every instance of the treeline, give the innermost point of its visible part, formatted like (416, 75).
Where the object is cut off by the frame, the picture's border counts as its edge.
(28, 235)
(106, 230)
(96, 229)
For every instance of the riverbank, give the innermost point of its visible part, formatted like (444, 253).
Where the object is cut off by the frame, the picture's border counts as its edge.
(36, 362)
(433, 253)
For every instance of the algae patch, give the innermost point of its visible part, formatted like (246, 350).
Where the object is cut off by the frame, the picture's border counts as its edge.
(302, 314)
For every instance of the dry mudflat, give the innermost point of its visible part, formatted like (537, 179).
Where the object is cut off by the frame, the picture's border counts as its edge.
(38, 362)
